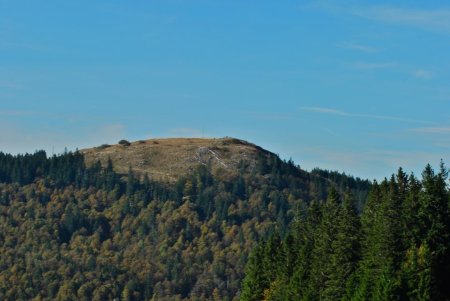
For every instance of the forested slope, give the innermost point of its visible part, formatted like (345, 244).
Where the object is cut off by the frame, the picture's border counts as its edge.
(71, 231)
(397, 249)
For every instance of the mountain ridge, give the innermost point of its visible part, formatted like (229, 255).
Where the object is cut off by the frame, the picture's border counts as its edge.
(168, 159)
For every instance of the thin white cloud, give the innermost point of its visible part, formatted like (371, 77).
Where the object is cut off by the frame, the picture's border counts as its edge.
(333, 111)
(25, 46)
(15, 138)
(438, 136)
(15, 113)
(171, 19)
(358, 47)
(324, 110)
(443, 143)
(435, 20)
(376, 163)
(269, 116)
(433, 130)
(373, 66)
(10, 85)
(424, 74)
(393, 118)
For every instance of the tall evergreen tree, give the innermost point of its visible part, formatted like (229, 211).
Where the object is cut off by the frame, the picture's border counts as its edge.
(255, 280)
(321, 256)
(305, 228)
(345, 250)
(435, 220)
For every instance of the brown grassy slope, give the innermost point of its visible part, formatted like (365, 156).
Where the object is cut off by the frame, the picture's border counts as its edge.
(167, 159)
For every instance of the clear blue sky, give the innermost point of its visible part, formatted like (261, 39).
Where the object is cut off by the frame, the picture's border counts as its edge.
(356, 86)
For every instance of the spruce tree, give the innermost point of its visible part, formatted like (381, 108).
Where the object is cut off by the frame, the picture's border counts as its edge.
(305, 235)
(345, 250)
(434, 217)
(255, 280)
(321, 256)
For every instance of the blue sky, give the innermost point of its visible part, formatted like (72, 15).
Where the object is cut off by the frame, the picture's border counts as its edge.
(355, 86)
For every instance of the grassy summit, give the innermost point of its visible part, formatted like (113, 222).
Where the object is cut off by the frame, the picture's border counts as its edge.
(170, 158)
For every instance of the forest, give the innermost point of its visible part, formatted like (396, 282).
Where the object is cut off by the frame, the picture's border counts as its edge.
(69, 231)
(398, 248)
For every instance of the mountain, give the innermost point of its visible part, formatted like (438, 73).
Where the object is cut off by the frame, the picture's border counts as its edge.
(162, 219)
(170, 159)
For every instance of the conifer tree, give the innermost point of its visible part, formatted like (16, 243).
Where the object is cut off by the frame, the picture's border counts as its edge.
(131, 182)
(321, 256)
(304, 228)
(435, 220)
(255, 280)
(345, 250)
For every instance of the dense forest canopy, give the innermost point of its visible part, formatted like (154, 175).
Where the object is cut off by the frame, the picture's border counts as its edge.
(69, 231)
(76, 232)
(397, 249)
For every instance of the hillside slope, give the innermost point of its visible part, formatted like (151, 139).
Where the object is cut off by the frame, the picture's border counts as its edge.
(76, 231)
(169, 159)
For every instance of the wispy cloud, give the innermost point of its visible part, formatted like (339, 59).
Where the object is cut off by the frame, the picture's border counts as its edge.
(393, 118)
(437, 136)
(358, 47)
(395, 67)
(375, 163)
(424, 74)
(25, 46)
(373, 65)
(10, 85)
(324, 110)
(443, 143)
(436, 20)
(371, 116)
(17, 138)
(433, 130)
(429, 19)
(15, 113)
(269, 116)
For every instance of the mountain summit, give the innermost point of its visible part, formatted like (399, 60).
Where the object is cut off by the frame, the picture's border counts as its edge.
(169, 159)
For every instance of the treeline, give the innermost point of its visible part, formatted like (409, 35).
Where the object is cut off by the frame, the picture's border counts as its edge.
(70, 168)
(24, 169)
(357, 187)
(397, 249)
(74, 232)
